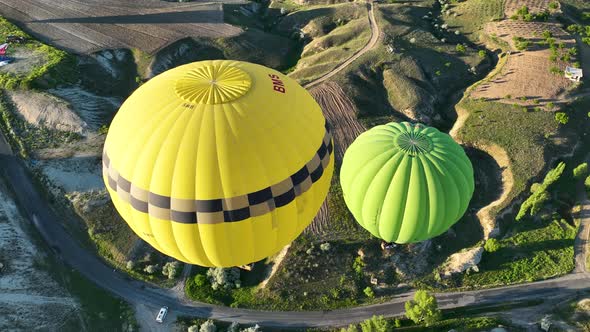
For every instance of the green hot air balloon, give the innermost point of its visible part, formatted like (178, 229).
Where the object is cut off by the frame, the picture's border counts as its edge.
(406, 182)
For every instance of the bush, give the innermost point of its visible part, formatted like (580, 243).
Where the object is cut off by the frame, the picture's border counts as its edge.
(375, 324)
(103, 130)
(208, 326)
(130, 265)
(562, 118)
(200, 280)
(170, 269)
(369, 292)
(460, 48)
(234, 327)
(540, 194)
(224, 278)
(587, 185)
(254, 328)
(358, 265)
(151, 269)
(581, 171)
(482, 54)
(491, 245)
(423, 309)
(325, 246)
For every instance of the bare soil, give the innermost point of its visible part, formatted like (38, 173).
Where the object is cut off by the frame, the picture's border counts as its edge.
(31, 299)
(341, 114)
(87, 26)
(41, 109)
(24, 60)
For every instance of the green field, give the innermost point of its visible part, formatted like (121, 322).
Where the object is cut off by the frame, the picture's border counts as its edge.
(472, 15)
(55, 66)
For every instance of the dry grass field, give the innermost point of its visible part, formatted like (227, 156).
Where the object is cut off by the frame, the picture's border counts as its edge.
(86, 26)
(525, 79)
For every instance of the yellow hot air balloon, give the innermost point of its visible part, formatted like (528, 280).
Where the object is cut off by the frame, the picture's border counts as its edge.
(218, 163)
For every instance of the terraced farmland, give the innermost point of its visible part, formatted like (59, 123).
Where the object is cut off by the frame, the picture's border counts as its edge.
(86, 26)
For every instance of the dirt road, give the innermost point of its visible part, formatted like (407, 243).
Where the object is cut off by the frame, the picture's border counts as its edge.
(86, 26)
(372, 42)
(581, 242)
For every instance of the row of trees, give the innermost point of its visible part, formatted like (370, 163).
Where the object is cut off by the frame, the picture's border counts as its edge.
(209, 326)
(541, 192)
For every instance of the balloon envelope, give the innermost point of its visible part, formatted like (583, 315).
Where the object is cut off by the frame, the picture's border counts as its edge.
(218, 163)
(406, 183)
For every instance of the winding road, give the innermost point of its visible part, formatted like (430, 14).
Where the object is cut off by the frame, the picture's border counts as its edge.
(133, 291)
(35, 207)
(370, 45)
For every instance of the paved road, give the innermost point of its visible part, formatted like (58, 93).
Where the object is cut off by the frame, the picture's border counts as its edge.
(134, 291)
(372, 42)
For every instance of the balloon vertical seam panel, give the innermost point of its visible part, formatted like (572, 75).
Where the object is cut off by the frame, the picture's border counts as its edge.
(440, 171)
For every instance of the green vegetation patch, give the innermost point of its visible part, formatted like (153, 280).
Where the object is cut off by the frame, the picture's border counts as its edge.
(524, 135)
(535, 250)
(326, 52)
(113, 237)
(470, 17)
(56, 67)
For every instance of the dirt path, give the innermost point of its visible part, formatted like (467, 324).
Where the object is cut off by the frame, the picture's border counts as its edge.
(277, 263)
(370, 45)
(581, 242)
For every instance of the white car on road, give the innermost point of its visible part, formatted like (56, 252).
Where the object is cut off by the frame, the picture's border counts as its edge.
(162, 314)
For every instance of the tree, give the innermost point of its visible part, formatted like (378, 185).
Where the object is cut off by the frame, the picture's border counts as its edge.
(350, 328)
(208, 326)
(151, 269)
(540, 194)
(491, 245)
(482, 54)
(369, 292)
(460, 48)
(254, 328)
(200, 280)
(130, 265)
(581, 171)
(562, 118)
(587, 185)
(325, 246)
(193, 328)
(376, 324)
(234, 327)
(423, 309)
(170, 269)
(224, 278)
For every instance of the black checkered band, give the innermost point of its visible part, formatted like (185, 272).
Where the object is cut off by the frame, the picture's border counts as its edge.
(214, 211)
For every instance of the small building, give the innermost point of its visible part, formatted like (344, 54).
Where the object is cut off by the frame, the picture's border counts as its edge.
(574, 74)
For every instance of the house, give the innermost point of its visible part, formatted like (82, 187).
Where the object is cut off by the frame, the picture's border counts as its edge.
(574, 74)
